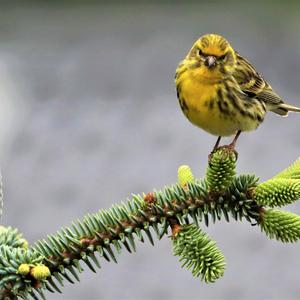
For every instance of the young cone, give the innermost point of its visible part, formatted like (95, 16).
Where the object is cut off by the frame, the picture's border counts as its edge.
(292, 172)
(281, 225)
(185, 175)
(199, 253)
(277, 192)
(221, 170)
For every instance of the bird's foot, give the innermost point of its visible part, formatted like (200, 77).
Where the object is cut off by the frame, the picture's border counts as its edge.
(226, 150)
(230, 148)
(216, 147)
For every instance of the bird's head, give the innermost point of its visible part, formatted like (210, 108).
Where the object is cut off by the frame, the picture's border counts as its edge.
(212, 57)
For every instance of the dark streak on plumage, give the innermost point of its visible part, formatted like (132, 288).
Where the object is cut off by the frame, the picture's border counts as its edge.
(222, 104)
(237, 103)
(248, 104)
(250, 94)
(180, 70)
(178, 92)
(222, 70)
(182, 102)
(205, 42)
(262, 105)
(259, 118)
(195, 65)
(223, 45)
(184, 107)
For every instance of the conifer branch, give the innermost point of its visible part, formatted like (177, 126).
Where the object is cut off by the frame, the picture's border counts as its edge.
(28, 271)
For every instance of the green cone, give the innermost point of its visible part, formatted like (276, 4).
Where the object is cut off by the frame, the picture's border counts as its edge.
(292, 172)
(185, 175)
(281, 225)
(221, 169)
(277, 192)
(199, 253)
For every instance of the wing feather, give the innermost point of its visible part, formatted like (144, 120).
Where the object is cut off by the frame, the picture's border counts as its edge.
(253, 84)
(247, 77)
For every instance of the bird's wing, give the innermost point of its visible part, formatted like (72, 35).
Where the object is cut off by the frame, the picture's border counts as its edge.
(247, 77)
(253, 84)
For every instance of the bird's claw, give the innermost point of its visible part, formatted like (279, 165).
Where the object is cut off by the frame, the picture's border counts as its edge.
(227, 148)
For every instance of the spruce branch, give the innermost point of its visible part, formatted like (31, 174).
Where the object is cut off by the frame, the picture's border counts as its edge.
(28, 272)
(11, 237)
(15, 280)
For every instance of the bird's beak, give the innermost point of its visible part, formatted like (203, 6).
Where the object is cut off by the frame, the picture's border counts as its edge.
(210, 61)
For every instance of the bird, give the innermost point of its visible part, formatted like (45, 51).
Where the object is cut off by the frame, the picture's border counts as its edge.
(221, 92)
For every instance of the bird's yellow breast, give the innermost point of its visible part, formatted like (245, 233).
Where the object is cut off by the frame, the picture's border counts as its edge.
(202, 108)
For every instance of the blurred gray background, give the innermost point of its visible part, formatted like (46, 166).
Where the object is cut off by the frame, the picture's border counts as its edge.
(89, 115)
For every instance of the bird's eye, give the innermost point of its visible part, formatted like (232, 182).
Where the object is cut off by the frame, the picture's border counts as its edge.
(201, 53)
(222, 57)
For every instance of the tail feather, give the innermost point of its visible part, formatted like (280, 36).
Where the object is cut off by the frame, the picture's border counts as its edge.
(283, 109)
(290, 107)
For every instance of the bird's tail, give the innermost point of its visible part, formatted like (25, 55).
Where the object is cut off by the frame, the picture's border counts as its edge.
(283, 109)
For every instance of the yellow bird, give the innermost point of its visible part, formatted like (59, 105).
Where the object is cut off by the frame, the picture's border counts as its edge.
(221, 92)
